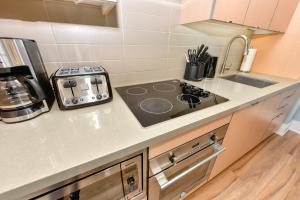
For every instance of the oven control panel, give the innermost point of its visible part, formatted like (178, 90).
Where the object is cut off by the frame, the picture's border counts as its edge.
(132, 177)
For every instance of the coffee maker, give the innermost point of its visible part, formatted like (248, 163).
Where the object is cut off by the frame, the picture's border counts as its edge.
(25, 90)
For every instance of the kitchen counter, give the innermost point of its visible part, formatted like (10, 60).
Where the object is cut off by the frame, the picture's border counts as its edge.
(61, 144)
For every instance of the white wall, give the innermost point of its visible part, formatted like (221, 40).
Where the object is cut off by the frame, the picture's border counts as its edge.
(149, 44)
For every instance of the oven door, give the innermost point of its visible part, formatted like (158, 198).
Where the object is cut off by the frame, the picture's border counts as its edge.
(104, 185)
(176, 181)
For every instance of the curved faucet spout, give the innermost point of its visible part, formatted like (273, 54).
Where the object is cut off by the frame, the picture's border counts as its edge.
(246, 50)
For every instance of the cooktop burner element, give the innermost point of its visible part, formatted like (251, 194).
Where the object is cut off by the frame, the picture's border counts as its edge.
(156, 106)
(152, 103)
(164, 87)
(136, 91)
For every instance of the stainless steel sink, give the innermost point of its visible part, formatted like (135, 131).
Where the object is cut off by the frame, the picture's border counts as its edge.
(249, 81)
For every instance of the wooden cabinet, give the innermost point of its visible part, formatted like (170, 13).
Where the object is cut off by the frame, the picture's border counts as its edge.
(222, 10)
(260, 13)
(231, 10)
(284, 104)
(239, 138)
(266, 14)
(283, 15)
(252, 125)
(196, 10)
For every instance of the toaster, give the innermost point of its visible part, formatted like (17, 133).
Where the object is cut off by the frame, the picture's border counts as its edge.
(77, 87)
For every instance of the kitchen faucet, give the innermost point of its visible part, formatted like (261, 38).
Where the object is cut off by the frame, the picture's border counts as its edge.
(246, 51)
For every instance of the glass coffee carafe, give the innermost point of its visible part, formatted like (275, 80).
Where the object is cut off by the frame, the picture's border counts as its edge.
(19, 92)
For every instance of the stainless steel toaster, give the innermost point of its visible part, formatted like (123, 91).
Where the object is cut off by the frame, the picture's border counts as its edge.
(77, 87)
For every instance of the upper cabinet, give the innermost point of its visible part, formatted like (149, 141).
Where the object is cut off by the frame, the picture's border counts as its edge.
(196, 10)
(274, 15)
(283, 15)
(231, 10)
(260, 13)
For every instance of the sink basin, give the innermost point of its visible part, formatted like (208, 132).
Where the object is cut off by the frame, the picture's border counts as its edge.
(249, 81)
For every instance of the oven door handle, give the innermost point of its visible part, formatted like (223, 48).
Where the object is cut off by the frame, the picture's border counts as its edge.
(219, 149)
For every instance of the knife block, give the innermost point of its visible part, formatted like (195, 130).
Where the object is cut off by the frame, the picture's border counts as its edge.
(194, 71)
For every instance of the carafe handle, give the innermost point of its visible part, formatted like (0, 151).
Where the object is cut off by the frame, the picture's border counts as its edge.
(36, 92)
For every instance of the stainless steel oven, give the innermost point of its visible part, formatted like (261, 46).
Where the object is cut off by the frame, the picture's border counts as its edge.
(124, 179)
(176, 172)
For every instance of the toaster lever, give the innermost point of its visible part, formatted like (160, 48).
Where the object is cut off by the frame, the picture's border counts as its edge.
(70, 84)
(96, 81)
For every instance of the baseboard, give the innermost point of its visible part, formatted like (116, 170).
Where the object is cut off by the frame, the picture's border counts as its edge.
(284, 128)
(295, 126)
(291, 126)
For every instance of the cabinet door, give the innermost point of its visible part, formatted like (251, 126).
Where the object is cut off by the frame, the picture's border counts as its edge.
(252, 125)
(239, 138)
(231, 10)
(195, 10)
(260, 13)
(283, 15)
(274, 125)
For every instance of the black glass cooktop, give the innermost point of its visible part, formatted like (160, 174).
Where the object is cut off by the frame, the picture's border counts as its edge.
(152, 103)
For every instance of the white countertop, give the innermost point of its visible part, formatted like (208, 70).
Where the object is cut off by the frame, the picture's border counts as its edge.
(61, 144)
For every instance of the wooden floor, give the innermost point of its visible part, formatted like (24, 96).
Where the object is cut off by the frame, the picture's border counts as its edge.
(271, 171)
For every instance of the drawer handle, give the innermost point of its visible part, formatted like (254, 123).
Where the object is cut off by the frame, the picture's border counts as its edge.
(194, 150)
(287, 97)
(282, 107)
(254, 104)
(278, 116)
(216, 146)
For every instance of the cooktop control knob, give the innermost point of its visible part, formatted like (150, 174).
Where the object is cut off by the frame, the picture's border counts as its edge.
(182, 84)
(74, 100)
(205, 94)
(187, 90)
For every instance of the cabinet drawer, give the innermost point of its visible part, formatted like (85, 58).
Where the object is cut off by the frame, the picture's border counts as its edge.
(288, 100)
(276, 122)
(274, 125)
(288, 96)
(283, 107)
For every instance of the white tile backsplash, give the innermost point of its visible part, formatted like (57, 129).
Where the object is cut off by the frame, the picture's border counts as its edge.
(39, 31)
(187, 39)
(139, 65)
(76, 34)
(133, 37)
(178, 51)
(149, 43)
(110, 36)
(149, 52)
(79, 52)
(49, 53)
(115, 66)
(151, 7)
(111, 52)
(141, 21)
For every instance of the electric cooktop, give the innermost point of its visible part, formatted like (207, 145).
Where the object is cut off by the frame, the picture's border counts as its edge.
(156, 102)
